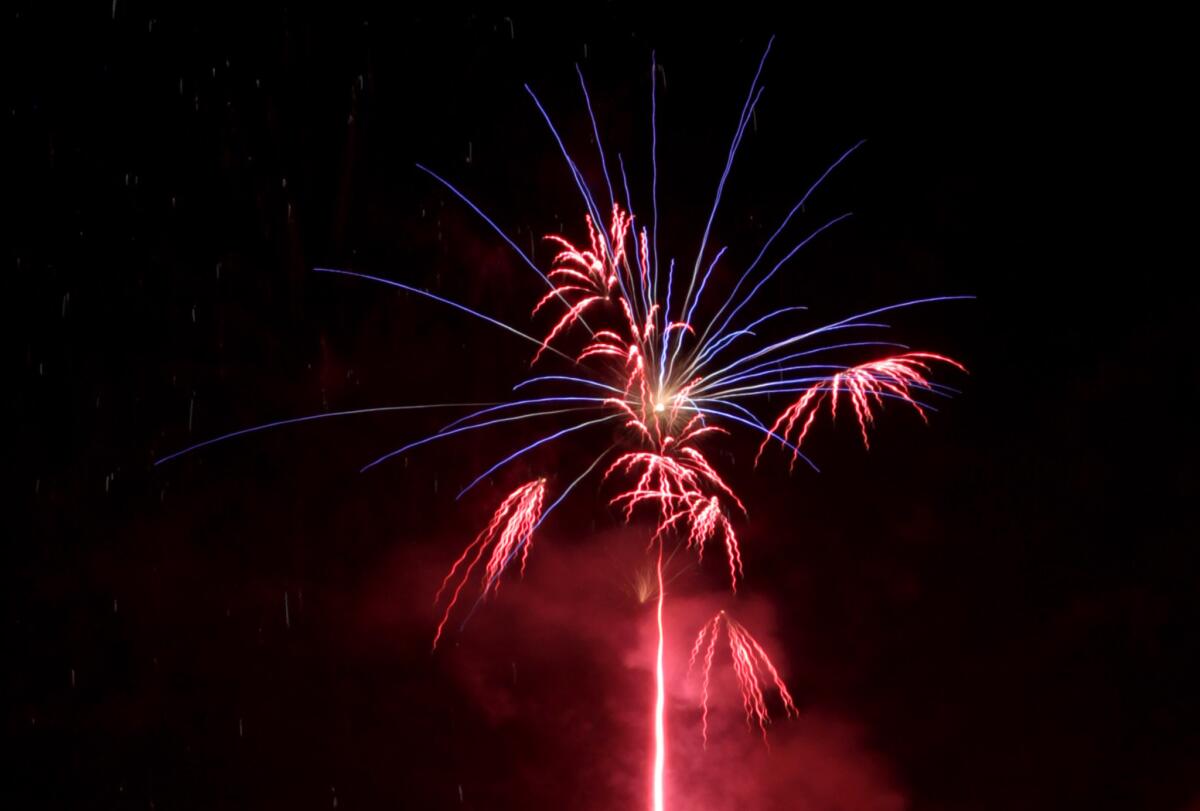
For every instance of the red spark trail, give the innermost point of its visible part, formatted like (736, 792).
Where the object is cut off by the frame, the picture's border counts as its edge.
(751, 666)
(660, 699)
(866, 385)
(519, 514)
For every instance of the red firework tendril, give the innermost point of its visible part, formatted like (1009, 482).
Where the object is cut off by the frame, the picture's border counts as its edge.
(751, 666)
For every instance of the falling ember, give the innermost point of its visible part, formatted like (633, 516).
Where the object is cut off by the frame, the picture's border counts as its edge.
(751, 666)
(510, 531)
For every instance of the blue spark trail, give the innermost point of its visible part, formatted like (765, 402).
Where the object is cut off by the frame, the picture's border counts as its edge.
(444, 434)
(531, 446)
(778, 231)
(845, 322)
(750, 296)
(308, 418)
(446, 301)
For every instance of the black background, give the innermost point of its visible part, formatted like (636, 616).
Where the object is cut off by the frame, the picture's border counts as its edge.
(1004, 600)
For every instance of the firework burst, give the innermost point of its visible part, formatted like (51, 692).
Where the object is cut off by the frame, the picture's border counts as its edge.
(634, 357)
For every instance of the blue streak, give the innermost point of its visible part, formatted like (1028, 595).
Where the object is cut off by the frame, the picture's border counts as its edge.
(703, 284)
(307, 418)
(782, 225)
(444, 434)
(758, 426)
(750, 296)
(530, 447)
(515, 403)
(717, 345)
(486, 219)
(596, 132)
(588, 201)
(582, 380)
(830, 348)
(843, 324)
(438, 298)
(744, 119)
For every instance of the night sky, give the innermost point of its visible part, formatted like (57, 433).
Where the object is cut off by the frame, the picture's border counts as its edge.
(994, 611)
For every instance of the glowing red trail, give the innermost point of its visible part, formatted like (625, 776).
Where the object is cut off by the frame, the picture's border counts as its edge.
(660, 733)
(509, 531)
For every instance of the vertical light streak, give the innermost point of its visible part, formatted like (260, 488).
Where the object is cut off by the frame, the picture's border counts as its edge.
(660, 701)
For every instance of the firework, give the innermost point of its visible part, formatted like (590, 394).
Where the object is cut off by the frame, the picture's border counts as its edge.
(632, 355)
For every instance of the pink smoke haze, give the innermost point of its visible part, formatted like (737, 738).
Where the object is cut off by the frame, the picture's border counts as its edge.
(577, 604)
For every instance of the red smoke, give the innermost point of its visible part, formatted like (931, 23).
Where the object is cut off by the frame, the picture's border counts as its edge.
(557, 670)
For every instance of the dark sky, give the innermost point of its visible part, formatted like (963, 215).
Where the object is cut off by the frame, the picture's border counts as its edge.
(996, 611)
